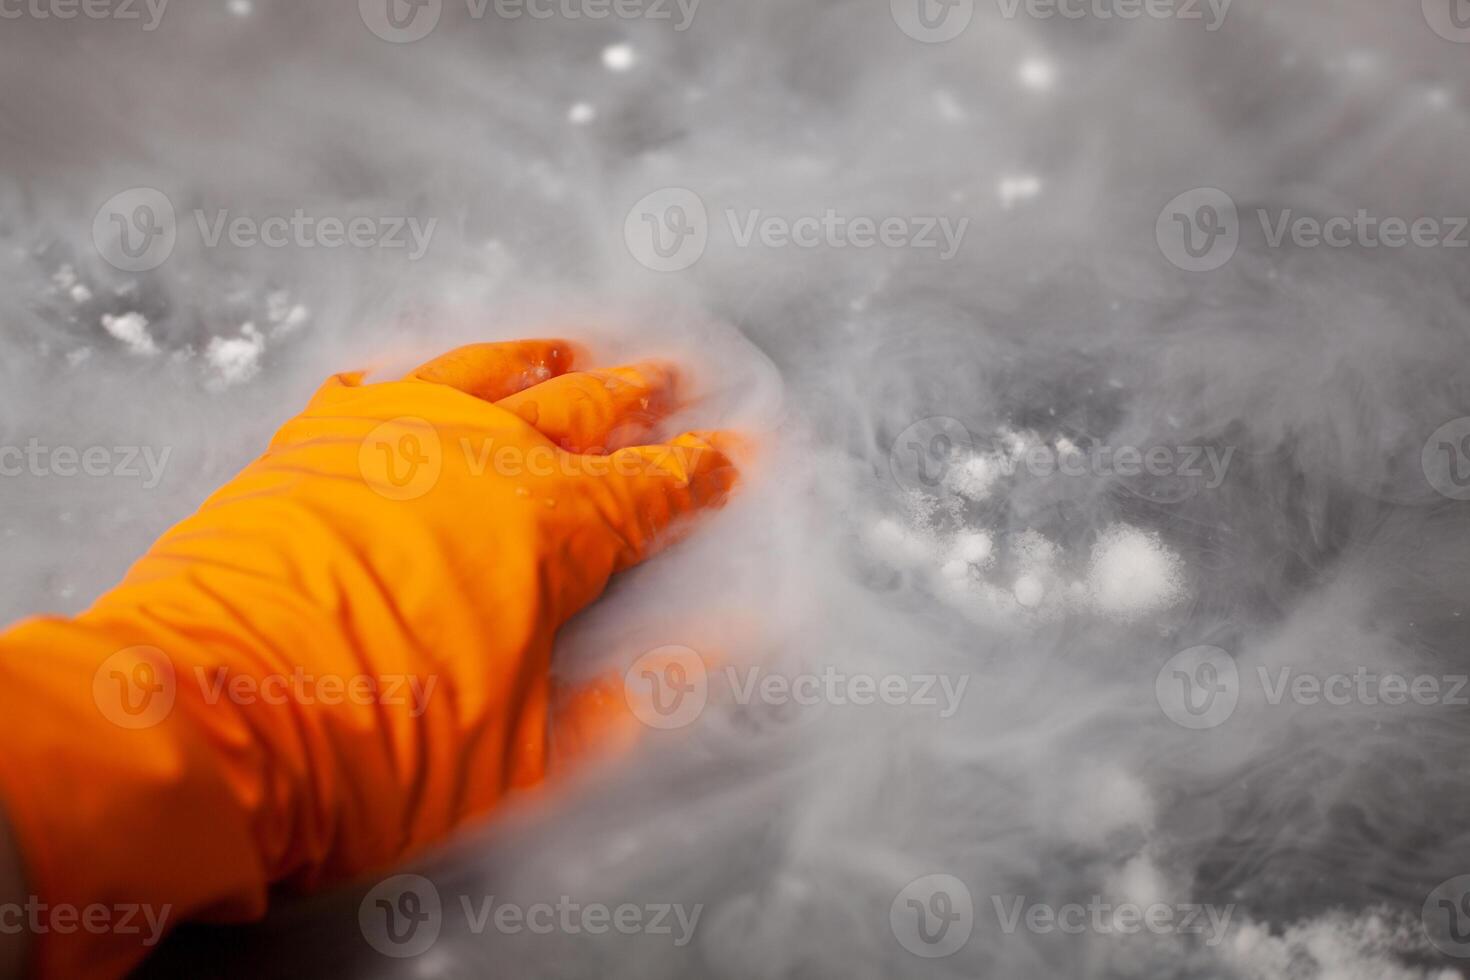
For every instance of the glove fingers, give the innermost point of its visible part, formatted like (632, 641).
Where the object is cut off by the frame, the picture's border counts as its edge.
(494, 370)
(595, 411)
(655, 485)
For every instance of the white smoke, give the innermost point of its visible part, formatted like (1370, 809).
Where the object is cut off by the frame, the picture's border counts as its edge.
(1308, 380)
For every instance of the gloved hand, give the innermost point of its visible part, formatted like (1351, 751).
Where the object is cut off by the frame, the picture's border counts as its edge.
(345, 653)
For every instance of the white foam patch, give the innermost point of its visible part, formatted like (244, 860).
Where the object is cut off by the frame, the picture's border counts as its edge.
(975, 476)
(236, 360)
(1133, 573)
(284, 316)
(1336, 946)
(973, 547)
(891, 541)
(1028, 591)
(132, 330)
(1033, 552)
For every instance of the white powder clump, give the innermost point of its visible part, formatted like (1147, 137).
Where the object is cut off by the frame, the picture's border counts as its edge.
(956, 568)
(891, 541)
(973, 547)
(1334, 946)
(131, 329)
(284, 316)
(974, 476)
(1133, 573)
(236, 359)
(1033, 552)
(1028, 591)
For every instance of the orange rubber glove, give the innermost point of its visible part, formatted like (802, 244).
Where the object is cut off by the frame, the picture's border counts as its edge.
(344, 654)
